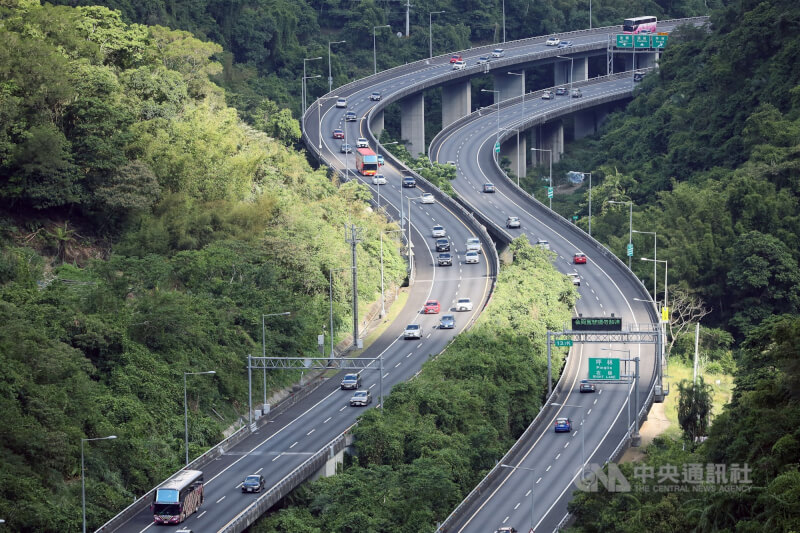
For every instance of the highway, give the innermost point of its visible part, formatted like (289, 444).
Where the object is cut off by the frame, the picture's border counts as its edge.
(550, 462)
(278, 447)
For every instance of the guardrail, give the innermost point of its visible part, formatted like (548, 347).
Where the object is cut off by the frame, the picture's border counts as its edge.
(265, 501)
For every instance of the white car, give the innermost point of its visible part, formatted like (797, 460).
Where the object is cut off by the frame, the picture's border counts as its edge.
(553, 41)
(464, 304)
(341, 102)
(459, 65)
(438, 231)
(412, 331)
(379, 179)
(498, 52)
(451, 163)
(474, 245)
(471, 258)
(362, 142)
(513, 222)
(427, 198)
(543, 244)
(576, 279)
(547, 95)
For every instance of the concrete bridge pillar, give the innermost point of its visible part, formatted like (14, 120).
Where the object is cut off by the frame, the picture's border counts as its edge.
(561, 74)
(580, 69)
(509, 85)
(623, 62)
(518, 157)
(553, 140)
(412, 123)
(588, 121)
(456, 101)
(377, 124)
(646, 60)
(330, 466)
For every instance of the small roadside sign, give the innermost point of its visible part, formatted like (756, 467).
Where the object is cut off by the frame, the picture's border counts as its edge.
(563, 342)
(630, 249)
(549, 192)
(497, 148)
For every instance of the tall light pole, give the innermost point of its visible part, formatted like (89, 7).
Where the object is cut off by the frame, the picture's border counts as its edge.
(186, 410)
(504, 20)
(374, 48)
(430, 32)
(83, 480)
(655, 258)
(383, 298)
(515, 130)
(330, 75)
(533, 484)
(665, 306)
(410, 253)
(304, 79)
(550, 152)
(522, 90)
(330, 293)
(304, 87)
(319, 116)
(590, 14)
(264, 348)
(571, 70)
(497, 97)
(629, 252)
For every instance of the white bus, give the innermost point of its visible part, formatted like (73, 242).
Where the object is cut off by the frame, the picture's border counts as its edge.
(639, 25)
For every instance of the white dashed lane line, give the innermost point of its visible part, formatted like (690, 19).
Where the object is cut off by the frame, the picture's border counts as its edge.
(310, 432)
(326, 420)
(221, 499)
(293, 445)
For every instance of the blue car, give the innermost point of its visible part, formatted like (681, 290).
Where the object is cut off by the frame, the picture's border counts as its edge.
(563, 425)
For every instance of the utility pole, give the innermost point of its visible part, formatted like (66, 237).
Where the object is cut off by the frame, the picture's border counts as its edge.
(408, 9)
(353, 240)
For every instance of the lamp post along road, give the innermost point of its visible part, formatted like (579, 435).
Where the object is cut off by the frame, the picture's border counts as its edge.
(383, 298)
(430, 32)
(319, 116)
(304, 79)
(571, 70)
(497, 138)
(522, 90)
(330, 75)
(630, 228)
(83, 480)
(186, 410)
(655, 257)
(374, 48)
(550, 153)
(264, 349)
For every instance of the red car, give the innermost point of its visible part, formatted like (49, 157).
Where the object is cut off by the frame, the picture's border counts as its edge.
(338, 134)
(432, 307)
(455, 57)
(579, 259)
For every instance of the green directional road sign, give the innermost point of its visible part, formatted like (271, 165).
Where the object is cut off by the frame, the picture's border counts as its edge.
(549, 192)
(641, 41)
(497, 148)
(574, 218)
(603, 368)
(624, 41)
(563, 342)
(660, 41)
(630, 249)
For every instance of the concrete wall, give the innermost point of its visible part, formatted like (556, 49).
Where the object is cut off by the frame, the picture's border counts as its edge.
(412, 123)
(509, 85)
(589, 120)
(519, 159)
(456, 102)
(377, 124)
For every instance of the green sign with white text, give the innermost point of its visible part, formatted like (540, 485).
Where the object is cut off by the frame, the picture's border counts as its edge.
(624, 41)
(641, 41)
(660, 41)
(603, 368)
(563, 342)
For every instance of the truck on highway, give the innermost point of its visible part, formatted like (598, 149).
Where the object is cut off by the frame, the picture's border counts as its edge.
(366, 161)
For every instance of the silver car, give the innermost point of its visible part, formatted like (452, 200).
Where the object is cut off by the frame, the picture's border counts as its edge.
(361, 397)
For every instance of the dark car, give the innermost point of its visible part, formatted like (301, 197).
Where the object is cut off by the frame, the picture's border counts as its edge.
(442, 245)
(346, 149)
(351, 381)
(561, 91)
(409, 181)
(375, 97)
(444, 259)
(488, 187)
(350, 116)
(638, 76)
(447, 322)
(586, 386)
(565, 44)
(253, 483)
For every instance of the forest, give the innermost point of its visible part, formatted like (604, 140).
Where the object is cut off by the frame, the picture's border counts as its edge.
(155, 202)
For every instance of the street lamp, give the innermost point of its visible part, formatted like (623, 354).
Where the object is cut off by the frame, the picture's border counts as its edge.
(533, 472)
(304, 79)
(666, 268)
(430, 31)
(571, 67)
(319, 116)
(550, 152)
(630, 228)
(522, 90)
(330, 293)
(583, 431)
(83, 480)
(635, 376)
(330, 76)
(516, 130)
(410, 254)
(497, 139)
(655, 257)
(383, 299)
(304, 88)
(374, 48)
(504, 20)
(264, 348)
(186, 410)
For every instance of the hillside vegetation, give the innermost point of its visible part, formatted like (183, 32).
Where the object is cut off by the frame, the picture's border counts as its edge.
(145, 230)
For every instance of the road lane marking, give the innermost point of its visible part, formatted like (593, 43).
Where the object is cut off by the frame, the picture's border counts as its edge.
(326, 420)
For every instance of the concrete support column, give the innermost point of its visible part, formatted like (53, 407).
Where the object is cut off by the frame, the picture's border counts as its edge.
(645, 60)
(456, 102)
(560, 72)
(509, 85)
(580, 69)
(553, 139)
(518, 157)
(584, 124)
(623, 62)
(377, 124)
(412, 123)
